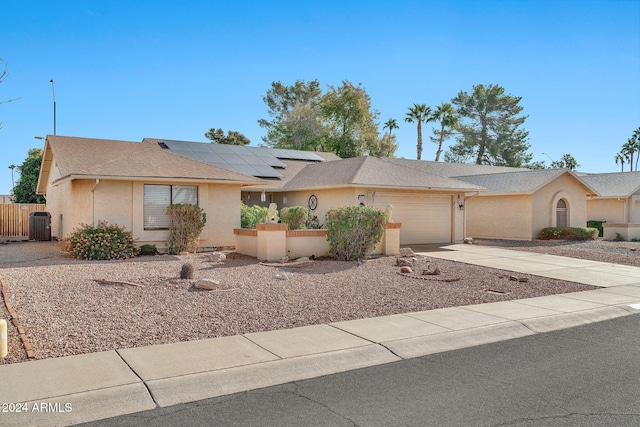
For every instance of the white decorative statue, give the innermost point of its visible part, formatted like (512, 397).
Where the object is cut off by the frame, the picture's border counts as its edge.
(389, 211)
(272, 214)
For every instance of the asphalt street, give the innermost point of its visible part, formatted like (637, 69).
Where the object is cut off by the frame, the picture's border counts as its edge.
(586, 376)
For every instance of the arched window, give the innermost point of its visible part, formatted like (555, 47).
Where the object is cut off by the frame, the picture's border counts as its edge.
(561, 214)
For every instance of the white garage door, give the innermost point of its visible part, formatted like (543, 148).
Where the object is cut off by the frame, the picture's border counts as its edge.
(425, 219)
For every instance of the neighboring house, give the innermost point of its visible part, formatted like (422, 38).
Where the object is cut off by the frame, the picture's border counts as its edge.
(131, 183)
(5, 199)
(617, 202)
(520, 204)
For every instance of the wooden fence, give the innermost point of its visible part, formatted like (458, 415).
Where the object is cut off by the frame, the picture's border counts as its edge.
(14, 219)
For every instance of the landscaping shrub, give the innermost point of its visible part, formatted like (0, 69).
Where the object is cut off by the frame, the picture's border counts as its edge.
(295, 216)
(619, 238)
(186, 223)
(102, 242)
(252, 215)
(353, 231)
(568, 233)
(148, 250)
(312, 222)
(598, 225)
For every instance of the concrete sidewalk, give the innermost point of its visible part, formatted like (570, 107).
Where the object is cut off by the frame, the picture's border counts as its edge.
(75, 389)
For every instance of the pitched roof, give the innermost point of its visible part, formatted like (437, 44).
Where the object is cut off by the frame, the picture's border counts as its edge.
(373, 172)
(99, 158)
(454, 169)
(615, 184)
(260, 162)
(525, 181)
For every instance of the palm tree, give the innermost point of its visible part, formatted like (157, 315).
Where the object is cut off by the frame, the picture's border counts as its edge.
(619, 158)
(419, 113)
(448, 118)
(636, 138)
(629, 150)
(391, 124)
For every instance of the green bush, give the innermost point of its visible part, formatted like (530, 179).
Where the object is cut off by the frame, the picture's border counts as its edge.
(148, 250)
(295, 216)
(312, 222)
(598, 225)
(186, 223)
(568, 233)
(353, 231)
(252, 215)
(102, 242)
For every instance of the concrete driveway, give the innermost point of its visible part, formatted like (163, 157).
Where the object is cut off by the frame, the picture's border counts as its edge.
(556, 267)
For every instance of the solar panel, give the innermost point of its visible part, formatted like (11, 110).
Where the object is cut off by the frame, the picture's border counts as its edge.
(256, 161)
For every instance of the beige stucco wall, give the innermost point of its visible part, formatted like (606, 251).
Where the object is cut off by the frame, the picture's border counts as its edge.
(327, 200)
(499, 217)
(609, 210)
(122, 203)
(546, 199)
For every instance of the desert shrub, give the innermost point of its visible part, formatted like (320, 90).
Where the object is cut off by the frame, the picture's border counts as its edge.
(252, 215)
(295, 216)
(148, 250)
(312, 222)
(353, 231)
(568, 233)
(102, 242)
(619, 238)
(187, 271)
(598, 225)
(186, 223)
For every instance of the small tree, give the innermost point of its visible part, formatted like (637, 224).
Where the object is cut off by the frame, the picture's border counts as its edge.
(295, 216)
(25, 189)
(353, 231)
(186, 223)
(252, 215)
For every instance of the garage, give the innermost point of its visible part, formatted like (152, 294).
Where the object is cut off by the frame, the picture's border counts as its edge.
(424, 218)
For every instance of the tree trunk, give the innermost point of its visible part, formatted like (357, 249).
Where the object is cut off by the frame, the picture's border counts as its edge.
(440, 144)
(419, 139)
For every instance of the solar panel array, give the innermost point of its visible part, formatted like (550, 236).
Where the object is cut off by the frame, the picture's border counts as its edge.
(255, 161)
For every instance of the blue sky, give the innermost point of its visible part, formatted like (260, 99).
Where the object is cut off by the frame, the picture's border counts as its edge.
(133, 69)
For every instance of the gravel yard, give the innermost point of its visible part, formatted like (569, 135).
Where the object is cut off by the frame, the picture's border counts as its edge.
(65, 311)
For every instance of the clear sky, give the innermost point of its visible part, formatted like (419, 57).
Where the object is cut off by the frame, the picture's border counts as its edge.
(167, 69)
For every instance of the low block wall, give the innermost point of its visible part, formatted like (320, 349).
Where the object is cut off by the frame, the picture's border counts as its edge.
(628, 231)
(272, 242)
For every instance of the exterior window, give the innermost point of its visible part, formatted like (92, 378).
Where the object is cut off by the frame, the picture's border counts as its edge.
(561, 214)
(158, 197)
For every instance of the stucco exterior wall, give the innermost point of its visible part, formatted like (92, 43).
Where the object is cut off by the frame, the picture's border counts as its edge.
(327, 200)
(545, 201)
(609, 210)
(499, 217)
(122, 203)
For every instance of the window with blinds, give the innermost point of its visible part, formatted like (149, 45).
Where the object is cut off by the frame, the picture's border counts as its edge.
(158, 197)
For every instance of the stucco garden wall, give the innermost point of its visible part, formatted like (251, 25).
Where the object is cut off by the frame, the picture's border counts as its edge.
(499, 217)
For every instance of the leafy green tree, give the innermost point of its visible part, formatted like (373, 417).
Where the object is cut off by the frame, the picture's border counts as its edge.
(231, 138)
(446, 115)
(386, 146)
(349, 120)
(295, 116)
(567, 161)
(25, 189)
(490, 128)
(419, 113)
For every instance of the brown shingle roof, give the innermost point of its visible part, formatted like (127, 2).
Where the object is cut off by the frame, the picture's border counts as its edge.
(373, 172)
(108, 158)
